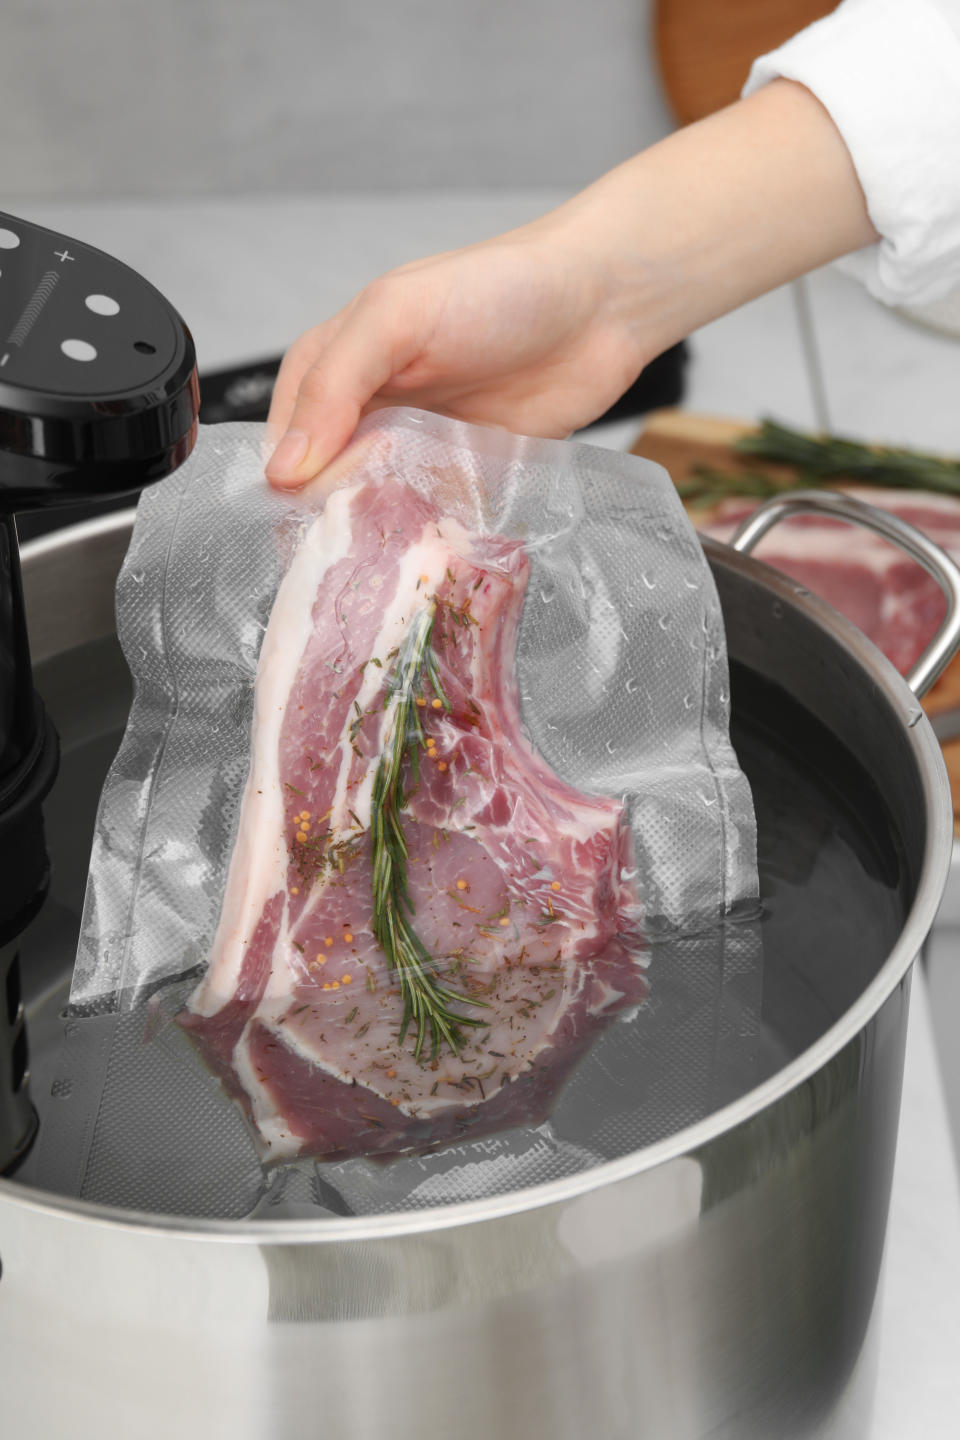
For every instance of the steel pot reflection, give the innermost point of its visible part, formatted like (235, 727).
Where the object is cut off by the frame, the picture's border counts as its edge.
(720, 1283)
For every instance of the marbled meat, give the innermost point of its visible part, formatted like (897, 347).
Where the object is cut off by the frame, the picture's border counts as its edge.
(891, 598)
(513, 877)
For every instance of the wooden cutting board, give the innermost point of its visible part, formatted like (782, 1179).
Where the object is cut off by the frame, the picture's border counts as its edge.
(705, 47)
(682, 441)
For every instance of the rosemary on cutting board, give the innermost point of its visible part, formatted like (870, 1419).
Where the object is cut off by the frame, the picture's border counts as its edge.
(814, 460)
(426, 1003)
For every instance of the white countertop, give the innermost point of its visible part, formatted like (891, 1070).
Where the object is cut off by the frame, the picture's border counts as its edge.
(248, 275)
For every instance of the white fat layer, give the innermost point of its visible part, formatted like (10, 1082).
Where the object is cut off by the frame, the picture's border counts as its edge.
(259, 863)
(429, 556)
(279, 1142)
(420, 571)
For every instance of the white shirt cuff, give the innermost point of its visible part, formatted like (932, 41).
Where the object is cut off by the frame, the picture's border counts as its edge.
(888, 72)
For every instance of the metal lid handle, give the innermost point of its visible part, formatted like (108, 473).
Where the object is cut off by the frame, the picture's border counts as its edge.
(913, 542)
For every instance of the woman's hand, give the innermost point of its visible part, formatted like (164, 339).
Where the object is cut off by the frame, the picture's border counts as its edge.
(529, 331)
(542, 329)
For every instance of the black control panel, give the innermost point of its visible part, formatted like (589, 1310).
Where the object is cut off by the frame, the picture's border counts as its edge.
(98, 384)
(98, 397)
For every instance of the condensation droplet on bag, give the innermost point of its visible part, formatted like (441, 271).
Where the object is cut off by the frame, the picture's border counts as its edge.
(613, 671)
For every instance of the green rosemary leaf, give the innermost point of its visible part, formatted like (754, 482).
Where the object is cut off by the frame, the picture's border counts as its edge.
(825, 457)
(427, 1004)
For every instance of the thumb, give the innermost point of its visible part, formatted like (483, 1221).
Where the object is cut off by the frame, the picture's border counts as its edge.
(330, 399)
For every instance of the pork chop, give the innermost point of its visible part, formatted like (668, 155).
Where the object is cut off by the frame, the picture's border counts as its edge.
(420, 930)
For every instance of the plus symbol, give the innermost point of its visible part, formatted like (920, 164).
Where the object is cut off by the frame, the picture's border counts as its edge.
(64, 255)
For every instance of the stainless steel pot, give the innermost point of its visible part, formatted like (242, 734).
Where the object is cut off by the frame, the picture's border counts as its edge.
(720, 1283)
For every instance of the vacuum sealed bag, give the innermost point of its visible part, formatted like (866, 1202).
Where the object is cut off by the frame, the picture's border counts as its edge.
(417, 776)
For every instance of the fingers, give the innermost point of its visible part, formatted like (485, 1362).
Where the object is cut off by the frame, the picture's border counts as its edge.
(323, 387)
(302, 354)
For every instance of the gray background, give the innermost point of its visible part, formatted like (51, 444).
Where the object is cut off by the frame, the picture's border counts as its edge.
(120, 97)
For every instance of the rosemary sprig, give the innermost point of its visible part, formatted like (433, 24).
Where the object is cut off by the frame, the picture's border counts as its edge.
(427, 1004)
(823, 457)
(816, 460)
(706, 487)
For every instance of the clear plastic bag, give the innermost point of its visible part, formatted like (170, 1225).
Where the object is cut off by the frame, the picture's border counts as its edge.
(622, 684)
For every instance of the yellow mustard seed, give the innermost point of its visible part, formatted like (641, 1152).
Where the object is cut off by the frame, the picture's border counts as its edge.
(347, 979)
(504, 919)
(436, 704)
(347, 937)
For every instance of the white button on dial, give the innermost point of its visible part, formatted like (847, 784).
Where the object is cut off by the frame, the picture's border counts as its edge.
(8, 240)
(78, 350)
(102, 304)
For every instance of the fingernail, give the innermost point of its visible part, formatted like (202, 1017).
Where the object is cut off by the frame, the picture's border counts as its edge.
(283, 462)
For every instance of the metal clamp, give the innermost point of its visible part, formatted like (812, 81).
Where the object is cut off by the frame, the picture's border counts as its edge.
(913, 542)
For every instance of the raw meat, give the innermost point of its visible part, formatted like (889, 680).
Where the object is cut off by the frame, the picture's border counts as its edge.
(892, 599)
(514, 877)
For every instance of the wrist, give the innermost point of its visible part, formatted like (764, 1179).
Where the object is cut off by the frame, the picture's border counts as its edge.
(719, 213)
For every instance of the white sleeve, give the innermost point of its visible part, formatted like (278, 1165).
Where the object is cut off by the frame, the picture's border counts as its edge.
(888, 72)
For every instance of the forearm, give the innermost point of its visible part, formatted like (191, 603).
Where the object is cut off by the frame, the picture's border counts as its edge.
(541, 329)
(721, 212)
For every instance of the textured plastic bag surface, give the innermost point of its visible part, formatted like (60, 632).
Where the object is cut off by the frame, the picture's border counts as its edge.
(621, 665)
(622, 671)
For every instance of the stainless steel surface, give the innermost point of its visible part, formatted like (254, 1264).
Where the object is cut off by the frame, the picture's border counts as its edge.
(720, 1283)
(943, 646)
(942, 963)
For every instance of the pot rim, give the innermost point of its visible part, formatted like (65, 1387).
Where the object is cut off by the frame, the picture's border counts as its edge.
(932, 880)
